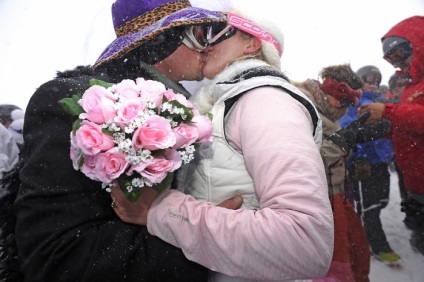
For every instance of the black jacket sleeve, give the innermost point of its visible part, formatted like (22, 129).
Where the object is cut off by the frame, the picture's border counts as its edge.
(66, 229)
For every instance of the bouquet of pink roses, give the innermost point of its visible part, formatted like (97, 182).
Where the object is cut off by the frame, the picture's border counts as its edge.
(135, 132)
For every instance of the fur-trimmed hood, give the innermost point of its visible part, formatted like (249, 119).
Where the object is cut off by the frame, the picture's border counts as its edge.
(206, 96)
(253, 73)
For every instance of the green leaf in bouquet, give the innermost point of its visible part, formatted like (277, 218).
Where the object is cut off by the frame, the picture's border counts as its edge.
(133, 195)
(71, 106)
(165, 184)
(188, 112)
(124, 183)
(101, 83)
(80, 162)
(108, 131)
(76, 125)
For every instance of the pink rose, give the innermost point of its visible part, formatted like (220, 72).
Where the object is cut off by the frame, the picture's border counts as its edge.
(155, 170)
(90, 139)
(155, 133)
(98, 104)
(89, 163)
(171, 96)
(126, 89)
(183, 100)
(204, 127)
(151, 90)
(110, 165)
(89, 166)
(129, 109)
(185, 135)
(75, 152)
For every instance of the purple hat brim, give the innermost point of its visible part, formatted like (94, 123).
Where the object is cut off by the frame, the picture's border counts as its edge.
(187, 16)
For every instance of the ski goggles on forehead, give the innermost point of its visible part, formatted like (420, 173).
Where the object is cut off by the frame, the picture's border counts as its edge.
(398, 55)
(224, 34)
(236, 22)
(197, 37)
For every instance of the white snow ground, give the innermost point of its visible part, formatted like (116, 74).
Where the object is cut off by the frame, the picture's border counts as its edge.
(398, 236)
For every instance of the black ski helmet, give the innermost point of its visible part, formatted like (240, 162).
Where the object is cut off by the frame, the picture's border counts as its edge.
(391, 42)
(366, 71)
(396, 50)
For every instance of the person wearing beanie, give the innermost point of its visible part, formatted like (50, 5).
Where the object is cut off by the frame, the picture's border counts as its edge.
(369, 172)
(265, 133)
(403, 49)
(396, 86)
(66, 228)
(16, 128)
(9, 113)
(9, 152)
(12, 117)
(339, 88)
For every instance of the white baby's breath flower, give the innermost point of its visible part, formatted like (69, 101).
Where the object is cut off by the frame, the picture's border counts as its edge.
(187, 155)
(113, 127)
(148, 183)
(138, 182)
(150, 104)
(118, 137)
(107, 186)
(190, 149)
(125, 145)
(144, 155)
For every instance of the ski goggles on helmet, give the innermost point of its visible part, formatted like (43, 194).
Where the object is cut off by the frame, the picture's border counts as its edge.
(372, 79)
(398, 55)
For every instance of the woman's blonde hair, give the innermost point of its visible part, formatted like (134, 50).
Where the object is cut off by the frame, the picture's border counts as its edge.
(259, 54)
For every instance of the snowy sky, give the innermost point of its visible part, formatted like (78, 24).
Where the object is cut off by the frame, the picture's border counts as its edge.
(43, 36)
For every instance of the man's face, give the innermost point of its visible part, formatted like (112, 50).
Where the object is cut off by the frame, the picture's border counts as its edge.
(405, 66)
(183, 64)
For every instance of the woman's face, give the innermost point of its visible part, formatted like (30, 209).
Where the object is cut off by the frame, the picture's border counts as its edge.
(226, 52)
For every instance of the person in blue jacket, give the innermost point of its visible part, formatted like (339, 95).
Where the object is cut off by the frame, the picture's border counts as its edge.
(369, 172)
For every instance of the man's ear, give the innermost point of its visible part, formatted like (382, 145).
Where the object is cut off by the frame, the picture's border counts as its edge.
(254, 45)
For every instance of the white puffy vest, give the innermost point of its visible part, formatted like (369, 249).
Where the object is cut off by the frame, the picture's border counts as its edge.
(218, 171)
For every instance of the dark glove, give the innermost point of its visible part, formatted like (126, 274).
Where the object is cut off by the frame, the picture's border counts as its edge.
(362, 170)
(373, 131)
(414, 211)
(345, 138)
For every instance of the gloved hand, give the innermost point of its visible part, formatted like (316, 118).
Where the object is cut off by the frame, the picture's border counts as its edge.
(372, 131)
(345, 138)
(362, 169)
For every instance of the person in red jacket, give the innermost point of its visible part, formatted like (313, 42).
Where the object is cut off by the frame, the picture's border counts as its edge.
(403, 47)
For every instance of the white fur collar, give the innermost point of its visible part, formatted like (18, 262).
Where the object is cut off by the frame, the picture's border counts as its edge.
(206, 97)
